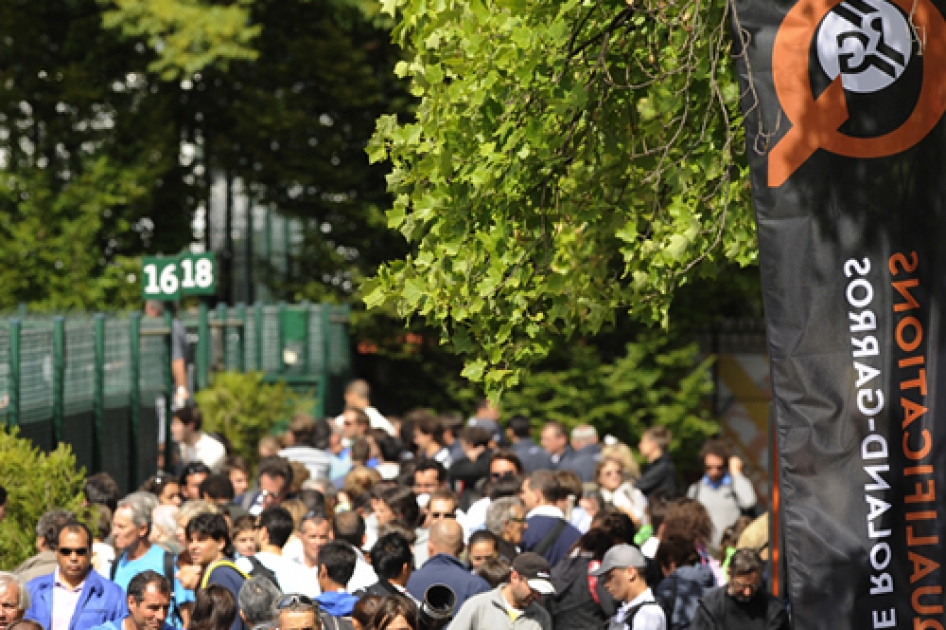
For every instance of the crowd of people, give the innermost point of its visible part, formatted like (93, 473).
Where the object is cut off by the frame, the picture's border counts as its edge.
(417, 523)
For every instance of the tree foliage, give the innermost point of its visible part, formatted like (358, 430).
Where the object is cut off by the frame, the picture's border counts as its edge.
(243, 409)
(650, 382)
(568, 161)
(36, 482)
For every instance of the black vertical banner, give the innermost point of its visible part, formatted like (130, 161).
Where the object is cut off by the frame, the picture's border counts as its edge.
(844, 107)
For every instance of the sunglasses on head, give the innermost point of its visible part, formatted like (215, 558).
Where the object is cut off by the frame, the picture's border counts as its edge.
(291, 600)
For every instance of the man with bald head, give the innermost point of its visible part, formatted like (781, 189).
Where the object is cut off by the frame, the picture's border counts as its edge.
(14, 599)
(443, 567)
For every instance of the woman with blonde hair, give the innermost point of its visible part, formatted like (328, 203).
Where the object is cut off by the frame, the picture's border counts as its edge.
(617, 490)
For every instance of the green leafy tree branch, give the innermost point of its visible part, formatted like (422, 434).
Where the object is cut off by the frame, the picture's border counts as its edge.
(567, 162)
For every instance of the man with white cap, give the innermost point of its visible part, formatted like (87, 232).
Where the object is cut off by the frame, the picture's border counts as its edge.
(623, 573)
(513, 603)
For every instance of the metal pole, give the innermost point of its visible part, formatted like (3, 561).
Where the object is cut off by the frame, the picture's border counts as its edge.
(203, 348)
(306, 332)
(59, 374)
(258, 331)
(326, 321)
(223, 318)
(98, 396)
(13, 416)
(241, 343)
(169, 388)
(134, 395)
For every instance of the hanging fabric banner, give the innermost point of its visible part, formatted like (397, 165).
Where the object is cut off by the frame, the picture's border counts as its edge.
(844, 107)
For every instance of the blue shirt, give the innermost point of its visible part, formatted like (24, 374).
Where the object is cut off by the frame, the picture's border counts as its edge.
(152, 560)
(120, 625)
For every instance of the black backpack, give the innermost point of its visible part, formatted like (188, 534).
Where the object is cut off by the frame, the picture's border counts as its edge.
(260, 570)
(632, 612)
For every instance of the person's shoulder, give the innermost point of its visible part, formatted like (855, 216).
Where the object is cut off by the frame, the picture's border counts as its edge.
(41, 582)
(108, 587)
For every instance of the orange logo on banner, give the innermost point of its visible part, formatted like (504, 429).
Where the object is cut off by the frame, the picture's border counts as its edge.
(815, 121)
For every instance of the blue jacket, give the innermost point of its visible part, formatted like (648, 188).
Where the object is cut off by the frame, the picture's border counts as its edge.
(337, 604)
(537, 528)
(532, 456)
(101, 600)
(444, 569)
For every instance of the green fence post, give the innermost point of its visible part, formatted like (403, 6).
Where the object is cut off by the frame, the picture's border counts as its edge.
(169, 388)
(59, 374)
(98, 392)
(13, 415)
(306, 334)
(280, 341)
(241, 343)
(258, 332)
(134, 394)
(222, 318)
(326, 321)
(203, 348)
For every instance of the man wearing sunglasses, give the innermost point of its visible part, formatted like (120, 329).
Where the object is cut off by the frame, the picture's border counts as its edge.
(74, 596)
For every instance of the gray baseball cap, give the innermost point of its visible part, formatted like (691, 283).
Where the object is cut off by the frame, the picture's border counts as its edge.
(620, 557)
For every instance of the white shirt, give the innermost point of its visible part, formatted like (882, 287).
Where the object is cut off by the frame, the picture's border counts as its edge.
(649, 617)
(206, 450)
(292, 578)
(363, 577)
(546, 510)
(377, 420)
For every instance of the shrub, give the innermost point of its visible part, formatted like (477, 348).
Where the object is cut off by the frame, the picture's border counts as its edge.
(36, 482)
(242, 408)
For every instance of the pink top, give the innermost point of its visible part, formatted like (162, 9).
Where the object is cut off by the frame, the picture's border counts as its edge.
(65, 601)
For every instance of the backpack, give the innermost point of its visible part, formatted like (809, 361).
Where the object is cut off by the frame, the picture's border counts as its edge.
(632, 612)
(335, 623)
(168, 564)
(258, 570)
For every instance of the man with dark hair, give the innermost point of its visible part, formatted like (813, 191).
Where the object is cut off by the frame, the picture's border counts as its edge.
(429, 476)
(349, 528)
(192, 475)
(257, 601)
(272, 485)
(336, 566)
(555, 443)
(218, 489)
(74, 596)
(659, 473)
(208, 543)
(452, 425)
(482, 547)
(274, 526)
(149, 601)
(196, 446)
(300, 447)
(723, 490)
(47, 535)
(741, 604)
(428, 436)
(532, 456)
(393, 561)
(474, 465)
(101, 488)
(547, 532)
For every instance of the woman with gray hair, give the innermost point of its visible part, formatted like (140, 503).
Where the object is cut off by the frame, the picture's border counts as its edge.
(14, 599)
(506, 518)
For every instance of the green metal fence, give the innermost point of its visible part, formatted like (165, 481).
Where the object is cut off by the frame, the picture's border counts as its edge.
(102, 383)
